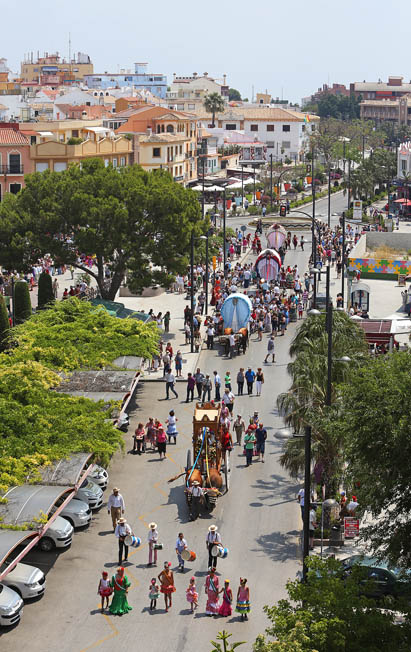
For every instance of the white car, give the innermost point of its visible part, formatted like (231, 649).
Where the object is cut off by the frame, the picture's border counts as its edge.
(99, 476)
(27, 581)
(11, 606)
(58, 535)
(91, 494)
(76, 512)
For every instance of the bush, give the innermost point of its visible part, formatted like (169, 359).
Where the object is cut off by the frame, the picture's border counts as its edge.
(4, 325)
(22, 302)
(74, 141)
(45, 294)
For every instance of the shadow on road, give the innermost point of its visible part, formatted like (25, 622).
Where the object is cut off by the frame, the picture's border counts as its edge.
(277, 545)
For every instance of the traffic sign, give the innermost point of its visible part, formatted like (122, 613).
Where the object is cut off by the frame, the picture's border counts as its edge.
(244, 228)
(351, 527)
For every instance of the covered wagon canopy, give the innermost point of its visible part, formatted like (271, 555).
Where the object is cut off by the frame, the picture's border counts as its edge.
(276, 236)
(268, 264)
(236, 311)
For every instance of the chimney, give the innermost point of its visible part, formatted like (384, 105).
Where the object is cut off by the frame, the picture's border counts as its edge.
(205, 74)
(224, 80)
(195, 74)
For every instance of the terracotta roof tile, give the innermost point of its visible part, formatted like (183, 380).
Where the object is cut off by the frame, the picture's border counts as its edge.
(12, 137)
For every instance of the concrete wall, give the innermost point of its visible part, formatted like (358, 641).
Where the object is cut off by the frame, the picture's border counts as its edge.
(379, 268)
(394, 240)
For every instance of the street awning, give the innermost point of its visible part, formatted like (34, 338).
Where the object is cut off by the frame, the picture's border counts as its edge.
(45, 133)
(377, 331)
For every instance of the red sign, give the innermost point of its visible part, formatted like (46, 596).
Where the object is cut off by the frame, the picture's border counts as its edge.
(351, 527)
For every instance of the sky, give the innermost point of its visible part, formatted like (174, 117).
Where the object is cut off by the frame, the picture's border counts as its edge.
(289, 47)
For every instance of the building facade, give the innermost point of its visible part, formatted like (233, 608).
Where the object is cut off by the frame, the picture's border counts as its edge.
(380, 90)
(156, 83)
(14, 158)
(188, 93)
(52, 70)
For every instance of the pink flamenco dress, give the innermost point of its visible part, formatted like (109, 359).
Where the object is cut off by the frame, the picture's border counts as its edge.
(226, 608)
(212, 606)
(191, 594)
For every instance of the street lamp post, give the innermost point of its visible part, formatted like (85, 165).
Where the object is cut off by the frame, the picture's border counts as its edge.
(329, 196)
(329, 339)
(224, 236)
(242, 185)
(343, 257)
(192, 293)
(202, 203)
(349, 184)
(271, 180)
(329, 503)
(307, 499)
(314, 250)
(206, 276)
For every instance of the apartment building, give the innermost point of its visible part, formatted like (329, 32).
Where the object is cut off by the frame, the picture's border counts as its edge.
(52, 70)
(14, 158)
(188, 93)
(156, 83)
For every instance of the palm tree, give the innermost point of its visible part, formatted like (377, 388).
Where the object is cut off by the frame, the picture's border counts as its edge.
(305, 401)
(213, 104)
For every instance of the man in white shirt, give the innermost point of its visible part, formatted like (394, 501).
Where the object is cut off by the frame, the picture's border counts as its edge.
(181, 544)
(217, 384)
(231, 342)
(196, 495)
(115, 506)
(352, 505)
(170, 382)
(312, 526)
(210, 336)
(247, 278)
(228, 400)
(152, 539)
(121, 531)
(213, 538)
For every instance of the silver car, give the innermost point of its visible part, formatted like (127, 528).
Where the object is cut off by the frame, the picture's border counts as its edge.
(99, 476)
(11, 606)
(90, 493)
(27, 581)
(58, 535)
(76, 512)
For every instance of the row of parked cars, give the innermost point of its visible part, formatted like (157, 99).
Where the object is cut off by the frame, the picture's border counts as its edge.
(26, 582)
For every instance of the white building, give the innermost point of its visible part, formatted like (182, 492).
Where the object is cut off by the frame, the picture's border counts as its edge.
(188, 93)
(284, 133)
(404, 160)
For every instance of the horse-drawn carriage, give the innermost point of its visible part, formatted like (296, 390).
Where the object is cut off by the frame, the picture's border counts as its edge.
(207, 463)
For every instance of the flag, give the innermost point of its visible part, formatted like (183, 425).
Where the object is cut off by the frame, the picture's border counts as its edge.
(307, 118)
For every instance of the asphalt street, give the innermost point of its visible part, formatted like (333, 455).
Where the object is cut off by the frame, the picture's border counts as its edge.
(259, 521)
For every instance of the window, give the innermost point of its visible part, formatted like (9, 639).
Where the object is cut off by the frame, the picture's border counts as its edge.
(106, 162)
(14, 164)
(286, 128)
(15, 188)
(122, 161)
(191, 106)
(270, 127)
(114, 162)
(231, 127)
(74, 133)
(170, 129)
(41, 167)
(302, 127)
(156, 152)
(253, 127)
(33, 140)
(60, 167)
(403, 165)
(270, 143)
(181, 149)
(286, 144)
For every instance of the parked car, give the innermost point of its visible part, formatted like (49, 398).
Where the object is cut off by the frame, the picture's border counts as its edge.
(335, 175)
(58, 535)
(90, 493)
(27, 581)
(386, 580)
(11, 606)
(76, 512)
(99, 476)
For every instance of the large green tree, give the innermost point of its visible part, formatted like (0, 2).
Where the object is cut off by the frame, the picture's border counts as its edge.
(214, 103)
(327, 613)
(234, 95)
(137, 224)
(373, 423)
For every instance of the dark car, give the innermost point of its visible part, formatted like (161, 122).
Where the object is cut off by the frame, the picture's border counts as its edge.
(383, 579)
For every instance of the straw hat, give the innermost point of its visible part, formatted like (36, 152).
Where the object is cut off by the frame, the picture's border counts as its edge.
(213, 528)
(115, 489)
(152, 526)
(121, 520)
(195, 483)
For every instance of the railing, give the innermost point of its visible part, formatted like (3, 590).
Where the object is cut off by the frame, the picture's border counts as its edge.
(11, 169)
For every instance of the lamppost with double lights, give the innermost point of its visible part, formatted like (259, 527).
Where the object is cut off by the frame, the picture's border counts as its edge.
(201, 237)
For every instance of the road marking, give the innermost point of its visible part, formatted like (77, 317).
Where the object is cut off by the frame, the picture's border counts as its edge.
(163, 493)
(114, 633)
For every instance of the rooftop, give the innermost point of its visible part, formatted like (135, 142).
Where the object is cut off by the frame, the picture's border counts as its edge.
(12, 137)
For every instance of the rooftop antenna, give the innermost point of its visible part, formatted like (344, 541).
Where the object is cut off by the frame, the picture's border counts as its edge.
(69, 47)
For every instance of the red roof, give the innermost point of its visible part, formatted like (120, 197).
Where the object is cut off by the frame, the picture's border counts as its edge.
(12, 137)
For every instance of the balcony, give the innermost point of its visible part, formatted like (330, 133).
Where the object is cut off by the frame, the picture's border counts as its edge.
(11, 169)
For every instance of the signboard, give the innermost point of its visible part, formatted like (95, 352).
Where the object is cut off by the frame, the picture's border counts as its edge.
(351, 527)
(244, 228)
(357, 205)
(214, 262)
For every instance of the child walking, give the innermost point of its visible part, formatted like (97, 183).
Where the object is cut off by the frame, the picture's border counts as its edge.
(192, 595)
(104, 590)
(226, 608)
(243, 599)
(153, 594)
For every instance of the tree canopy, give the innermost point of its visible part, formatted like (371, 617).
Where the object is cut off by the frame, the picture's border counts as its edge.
(339, 106)
(328, 613)
(214, 103)
(234, 95)
(137, 224)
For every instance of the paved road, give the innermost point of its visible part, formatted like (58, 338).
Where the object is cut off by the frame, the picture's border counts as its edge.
(258, 519)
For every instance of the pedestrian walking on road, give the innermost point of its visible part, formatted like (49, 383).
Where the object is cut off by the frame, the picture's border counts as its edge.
(213, 538)
(259, 381)
(181, 544)
(249, 443)
(226, 608)
(240, 381)
(192, 595)
(196, 498)
(138, 439)
(239, 428)
(207, 387)
(161, 438)
(104, 590)
(217, 386)
(170, 383)
(228, 400)
(172, 427)
(227, 380)
(212, 591)
(270, 349)
(250, 377)
(166, 579)
(120, 585)
(191, 383)
(231, 342)
(261, 436)
(210, 336)
(179, 363)
(243, 599)
(122, 530)
(199, 379)
(152, 539)
(153, 593)
(115, 506)
(167, 322)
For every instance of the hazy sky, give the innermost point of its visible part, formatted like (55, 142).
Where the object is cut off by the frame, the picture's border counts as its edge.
(289, 47)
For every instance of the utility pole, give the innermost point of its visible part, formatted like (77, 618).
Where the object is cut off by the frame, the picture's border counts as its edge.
(224, 236)
(343, 257)
(271, 180)
(192, 293)
(307, 499)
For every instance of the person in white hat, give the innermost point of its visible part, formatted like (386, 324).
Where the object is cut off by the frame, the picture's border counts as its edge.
(212, 539)
(152, 539)
(196, 497)
(121, 531)
(115, 506)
